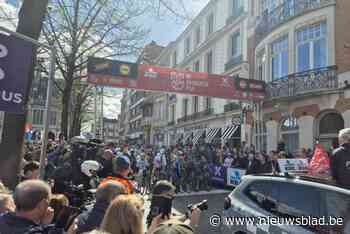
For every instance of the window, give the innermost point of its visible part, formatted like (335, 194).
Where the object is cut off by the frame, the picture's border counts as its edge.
(210, 24)
(236, 7)
(196, 66)
(38, 117)
(311, 47)
(198, 36)
(268, 5)
(291, 205)
(187, 45)
(290, 134)
(53, 118)
(337, 205)
(264, 194)
(261, 135)
(331, 123)
(260, 68)
(207, 103)
(172, 111)
(185, 107)
(236, 45)
(195, 104)
(174, 59)
(209, 61)
(279, 51)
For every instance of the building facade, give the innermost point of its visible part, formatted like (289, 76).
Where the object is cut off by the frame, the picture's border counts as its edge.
(215, 42)
(111, 130)
(301, 51)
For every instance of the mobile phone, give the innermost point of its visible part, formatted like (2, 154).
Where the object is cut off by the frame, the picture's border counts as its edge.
(66, 217)
(161, 205)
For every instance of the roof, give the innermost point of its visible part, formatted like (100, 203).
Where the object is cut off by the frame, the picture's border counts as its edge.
(304, 177)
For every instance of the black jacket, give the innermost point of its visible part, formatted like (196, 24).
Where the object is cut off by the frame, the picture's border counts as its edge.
(253, 168)
(264, 168)
(12, 224)
(91, 219)
(340, 165)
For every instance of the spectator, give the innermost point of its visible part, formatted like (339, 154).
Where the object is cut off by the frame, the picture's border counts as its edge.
(107, 161)
(33, 214)
(31, 171)
(124, 215)
(228, 160)
(57, 203)
(92, 219)
(163, 189)
(6, 203)
(3, 189)
(274, 162)
(252, 167)
(264, 165)
(340, 163)
(172, 227)
(121, 169)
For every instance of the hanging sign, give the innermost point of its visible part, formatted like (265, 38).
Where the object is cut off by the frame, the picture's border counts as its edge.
(15, 61)
(154, 78)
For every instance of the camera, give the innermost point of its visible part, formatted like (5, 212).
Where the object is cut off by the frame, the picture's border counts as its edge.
(203, 205)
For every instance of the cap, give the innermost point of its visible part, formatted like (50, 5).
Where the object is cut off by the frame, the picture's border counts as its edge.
(173, 227)
(122, 163)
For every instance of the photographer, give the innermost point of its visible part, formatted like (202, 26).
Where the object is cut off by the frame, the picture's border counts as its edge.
(160, 212)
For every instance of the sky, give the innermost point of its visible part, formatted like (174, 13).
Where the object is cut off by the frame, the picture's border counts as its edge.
(163, 30)
(160, 33)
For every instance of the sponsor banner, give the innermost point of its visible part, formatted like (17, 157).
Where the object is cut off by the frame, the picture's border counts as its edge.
(15, 61)
(234, 176)
(153, 78)
(218, 173)
(293, 165)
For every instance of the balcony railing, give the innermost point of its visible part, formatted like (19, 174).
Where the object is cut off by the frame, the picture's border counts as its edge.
(284, 12)
(196, 115)
(231, 107)
(304, 82)
(233, 62)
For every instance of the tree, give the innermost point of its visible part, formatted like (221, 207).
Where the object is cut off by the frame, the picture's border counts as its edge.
(84, 28)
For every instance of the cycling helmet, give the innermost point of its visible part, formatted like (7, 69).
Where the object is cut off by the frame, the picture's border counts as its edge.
(87, 167)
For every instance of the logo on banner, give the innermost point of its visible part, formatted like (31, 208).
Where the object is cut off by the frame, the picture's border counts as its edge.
(177, 81)
(225, 82)
(217, 171)
(124, 69)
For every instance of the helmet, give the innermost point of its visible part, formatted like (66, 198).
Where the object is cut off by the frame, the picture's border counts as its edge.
(88, 166)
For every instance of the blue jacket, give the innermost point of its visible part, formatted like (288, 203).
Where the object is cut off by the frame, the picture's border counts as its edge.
(12, 224)
(92, 219)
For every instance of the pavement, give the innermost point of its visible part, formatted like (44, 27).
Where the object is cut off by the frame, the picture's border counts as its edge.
(215, 205)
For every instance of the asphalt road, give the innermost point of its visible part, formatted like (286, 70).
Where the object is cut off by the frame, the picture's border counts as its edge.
(215, 205)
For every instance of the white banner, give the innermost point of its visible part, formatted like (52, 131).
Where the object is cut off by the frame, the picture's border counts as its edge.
(293, 165)
(234, 176)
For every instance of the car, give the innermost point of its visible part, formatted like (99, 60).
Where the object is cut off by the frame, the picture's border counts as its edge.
(286, 203)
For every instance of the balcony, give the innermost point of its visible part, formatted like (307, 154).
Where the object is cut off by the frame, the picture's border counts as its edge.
(312, 81)
(233, 62)
(196, 116)
(284, 12)
(237, 13)
(231, 107)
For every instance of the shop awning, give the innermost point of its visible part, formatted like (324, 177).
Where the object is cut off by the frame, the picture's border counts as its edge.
(197, 135)
(229, 131)
(211, 134)
(187, 136)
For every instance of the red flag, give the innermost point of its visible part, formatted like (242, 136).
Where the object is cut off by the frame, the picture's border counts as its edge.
(320, 163)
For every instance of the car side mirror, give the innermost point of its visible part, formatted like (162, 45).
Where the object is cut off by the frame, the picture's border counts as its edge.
(227, 203)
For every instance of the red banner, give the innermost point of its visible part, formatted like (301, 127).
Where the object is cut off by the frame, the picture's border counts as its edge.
(153, 78)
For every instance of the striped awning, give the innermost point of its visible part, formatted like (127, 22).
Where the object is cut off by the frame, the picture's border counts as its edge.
(211, 134)
(187, 136)
(229, 131)
(197, 135)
